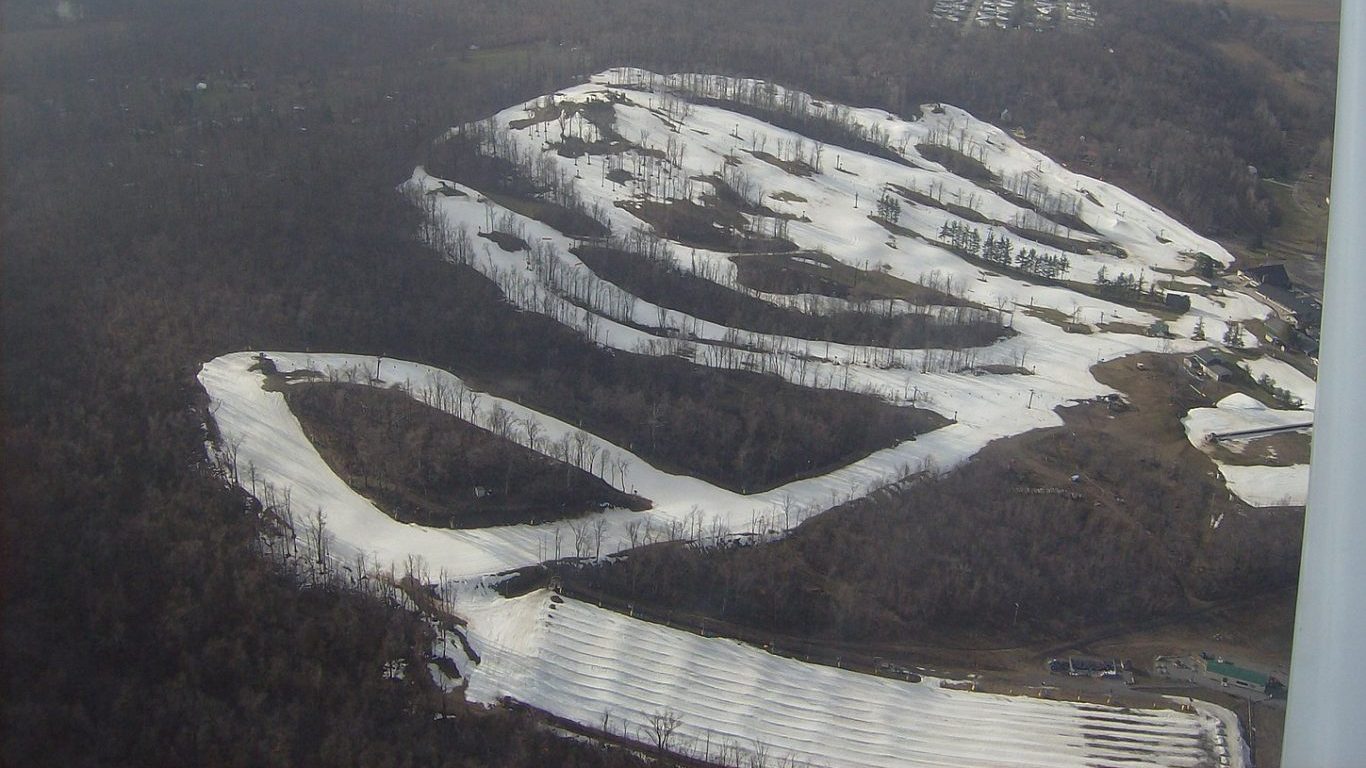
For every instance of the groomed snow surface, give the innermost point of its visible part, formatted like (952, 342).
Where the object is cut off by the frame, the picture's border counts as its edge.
(593, 666)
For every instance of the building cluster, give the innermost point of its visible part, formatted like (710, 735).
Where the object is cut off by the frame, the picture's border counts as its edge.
(1077, 13)
(1086, 666)
(1016, 14)
(1298, 313)
(1213, 670)
(951, 10)
(997, 13)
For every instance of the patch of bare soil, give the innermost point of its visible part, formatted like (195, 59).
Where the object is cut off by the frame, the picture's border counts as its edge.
(1058, 318)
(1118, 327)
(821, 273)
(1280, 450)
(704, 226)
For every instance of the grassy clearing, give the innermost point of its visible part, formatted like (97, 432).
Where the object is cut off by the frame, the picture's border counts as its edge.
(1281, 450)
(978, 173)
(1058, 318)
(567, 220)
(1064, 243)
(1047, 239)
(1203, 289)
(962, 211)
(1062, 219)
(956, 162)
(600, 113)
(823, 274)
(813, 126)
(794, 167)
(1129, 328)
(730, 203)
(712, 226)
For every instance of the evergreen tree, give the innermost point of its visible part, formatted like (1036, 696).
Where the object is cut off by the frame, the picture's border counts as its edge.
(889, 208)
(1233, 337)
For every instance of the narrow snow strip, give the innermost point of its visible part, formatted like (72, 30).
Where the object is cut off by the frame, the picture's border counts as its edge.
(272, 450)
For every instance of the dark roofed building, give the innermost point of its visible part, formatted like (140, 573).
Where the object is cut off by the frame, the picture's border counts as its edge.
(1211, 365)
(1305, 310)
(1270, 274)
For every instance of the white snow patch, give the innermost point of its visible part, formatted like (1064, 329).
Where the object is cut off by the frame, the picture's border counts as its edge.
(1260, 486)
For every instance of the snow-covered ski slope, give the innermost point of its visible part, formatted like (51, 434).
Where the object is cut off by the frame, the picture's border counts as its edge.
(595, 666)
(592, 666)
(831, 203)
(838, 198)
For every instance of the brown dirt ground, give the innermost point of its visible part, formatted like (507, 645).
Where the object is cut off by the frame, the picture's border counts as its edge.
(1280, 450)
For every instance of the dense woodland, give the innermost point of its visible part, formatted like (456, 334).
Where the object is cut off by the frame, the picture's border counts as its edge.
(996, 552)
(149, 226)
(427, 467)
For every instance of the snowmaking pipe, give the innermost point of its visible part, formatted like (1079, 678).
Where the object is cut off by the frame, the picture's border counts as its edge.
(1324, 725)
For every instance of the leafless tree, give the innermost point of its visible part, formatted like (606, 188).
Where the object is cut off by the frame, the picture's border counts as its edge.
(500, 420)
(599, 530)
(582, 538)
(320, 538)
(661, 727)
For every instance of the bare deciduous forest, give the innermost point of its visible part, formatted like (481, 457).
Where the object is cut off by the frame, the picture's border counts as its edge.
(431, 468)
(947, 560)
(149, 225)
